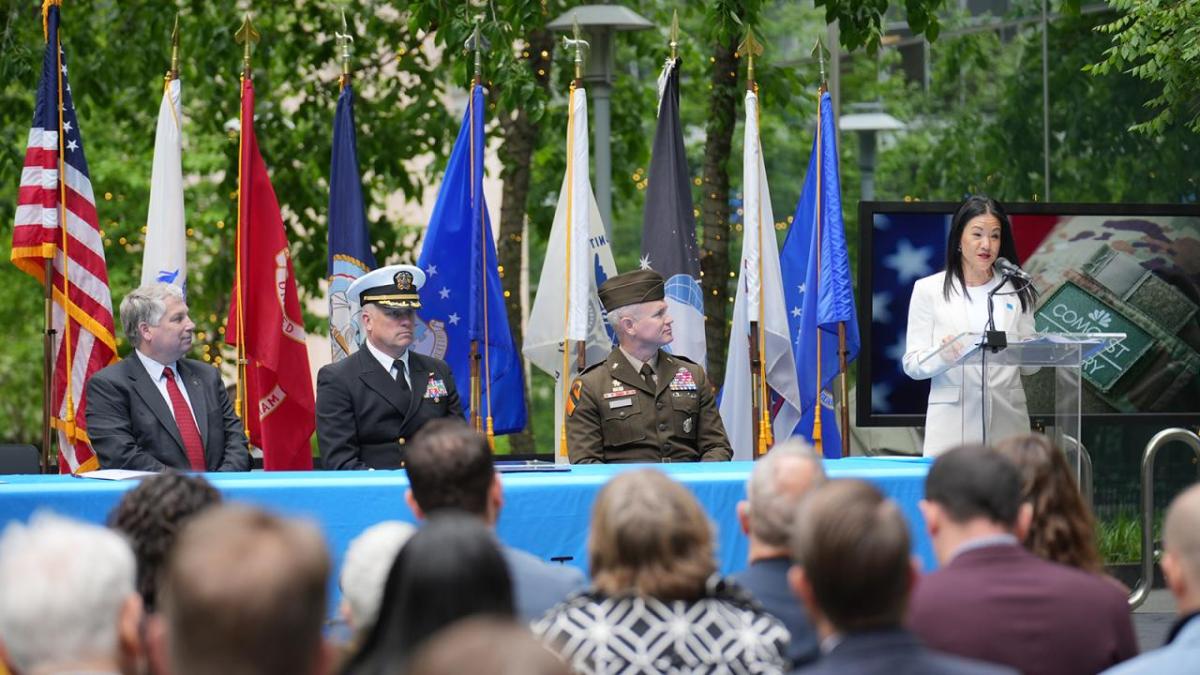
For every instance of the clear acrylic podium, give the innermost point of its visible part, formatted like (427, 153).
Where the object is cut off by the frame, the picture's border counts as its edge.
(1053, 362)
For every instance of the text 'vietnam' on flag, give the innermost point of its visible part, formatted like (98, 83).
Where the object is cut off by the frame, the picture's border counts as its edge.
(759, 299)
(818, 287)
(578, 259)
(669, 224)
(81, 316)
(164, 258)
(350, 254)
(265, 317)
(463, 300)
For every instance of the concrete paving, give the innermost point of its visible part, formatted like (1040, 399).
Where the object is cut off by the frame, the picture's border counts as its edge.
(1152, 621)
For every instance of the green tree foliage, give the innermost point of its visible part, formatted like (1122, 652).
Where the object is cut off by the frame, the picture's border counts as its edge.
(1158, 42)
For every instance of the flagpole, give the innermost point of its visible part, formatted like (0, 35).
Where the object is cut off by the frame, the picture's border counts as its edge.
(68, 398)
(580, 349)
(247, 36)
(758, 340)
(480, 381)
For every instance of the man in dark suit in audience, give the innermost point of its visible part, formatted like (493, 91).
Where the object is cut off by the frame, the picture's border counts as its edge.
(777, 484)
(854, 572)
(155, 409)
(450, 466)
(372, 402)
(993, 600)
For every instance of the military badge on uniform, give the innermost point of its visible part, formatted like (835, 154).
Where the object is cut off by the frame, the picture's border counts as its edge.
(573, 399)
(687, 425)
(436, 388)
(683, 381)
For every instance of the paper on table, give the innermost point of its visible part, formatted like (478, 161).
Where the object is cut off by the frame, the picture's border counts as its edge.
(115, 474)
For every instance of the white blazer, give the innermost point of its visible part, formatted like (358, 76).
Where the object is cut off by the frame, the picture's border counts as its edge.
(953, 416)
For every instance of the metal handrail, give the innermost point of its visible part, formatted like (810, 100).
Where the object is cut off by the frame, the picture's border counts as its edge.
(1142, 590)
(1084, 470)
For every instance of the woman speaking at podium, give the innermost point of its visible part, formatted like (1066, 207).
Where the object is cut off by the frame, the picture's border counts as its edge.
(949, 303)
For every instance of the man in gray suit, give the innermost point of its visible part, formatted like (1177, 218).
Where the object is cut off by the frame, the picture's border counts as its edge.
(450, 466)
(156, 409)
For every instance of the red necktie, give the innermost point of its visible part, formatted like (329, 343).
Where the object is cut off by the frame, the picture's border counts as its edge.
(188, 430)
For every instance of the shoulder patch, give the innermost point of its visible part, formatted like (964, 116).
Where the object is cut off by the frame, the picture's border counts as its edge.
(573, 397)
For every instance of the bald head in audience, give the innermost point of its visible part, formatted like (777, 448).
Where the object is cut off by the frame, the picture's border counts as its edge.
(777, 483)
(243, 593)
(1181, 558)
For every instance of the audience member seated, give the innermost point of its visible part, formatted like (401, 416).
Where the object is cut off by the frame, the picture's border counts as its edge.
(1063, 529)
(67, 599)
(151, 515)
(1181, 567)
(657, 605)
(450, 466)
(451, 569)
(369, 558)
(486, 646)
(993, 600)
(778, 482)
(854, 573)
(243, 593)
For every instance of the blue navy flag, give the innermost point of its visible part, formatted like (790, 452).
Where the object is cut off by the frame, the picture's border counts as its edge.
(350, 254)
(817, 286)
(462, 299)
(669, 224)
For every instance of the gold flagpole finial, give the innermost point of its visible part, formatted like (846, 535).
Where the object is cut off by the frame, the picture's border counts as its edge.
(247, 35)
(479, 44)
(578, 44)
(819, 50)
(674, 43)
(344, 41)
(173, 74)
(751, 48)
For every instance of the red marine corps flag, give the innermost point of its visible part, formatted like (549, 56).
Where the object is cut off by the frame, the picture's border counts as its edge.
(275, 391)
(57, 234)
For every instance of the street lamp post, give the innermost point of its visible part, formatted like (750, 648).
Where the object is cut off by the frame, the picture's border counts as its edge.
(599, 22)
(868, 119)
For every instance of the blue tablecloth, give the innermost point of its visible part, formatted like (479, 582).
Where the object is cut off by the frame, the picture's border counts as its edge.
(546, 513)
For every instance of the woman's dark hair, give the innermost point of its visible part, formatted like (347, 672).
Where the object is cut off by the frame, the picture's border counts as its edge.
(151, 515)
(452, 568)
(978, 205)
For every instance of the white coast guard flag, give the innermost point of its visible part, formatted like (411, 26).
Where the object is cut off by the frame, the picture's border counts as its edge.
(759, 282)
(165, 256)
(578, 259)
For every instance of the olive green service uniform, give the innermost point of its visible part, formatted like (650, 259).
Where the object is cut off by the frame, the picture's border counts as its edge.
(614, 416)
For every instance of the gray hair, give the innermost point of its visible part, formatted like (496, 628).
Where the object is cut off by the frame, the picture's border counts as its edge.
(145, 304)
(773, 499)
(615, 315)
(368, 560)
(62, 586)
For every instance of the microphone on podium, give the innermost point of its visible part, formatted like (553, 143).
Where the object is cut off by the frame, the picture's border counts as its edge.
(1010, 269)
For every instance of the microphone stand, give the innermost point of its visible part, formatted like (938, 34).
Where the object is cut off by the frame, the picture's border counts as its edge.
(993, 341)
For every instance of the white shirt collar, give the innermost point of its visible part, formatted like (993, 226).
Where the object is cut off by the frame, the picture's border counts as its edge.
(383, 359)
(154, 368)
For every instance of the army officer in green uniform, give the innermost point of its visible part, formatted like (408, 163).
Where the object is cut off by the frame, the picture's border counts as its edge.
(642, 404)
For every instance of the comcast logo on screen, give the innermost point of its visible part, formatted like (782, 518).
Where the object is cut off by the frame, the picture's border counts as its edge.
(1101, 317)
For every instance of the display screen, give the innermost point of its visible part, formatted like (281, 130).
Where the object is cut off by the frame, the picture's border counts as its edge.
(1098, 268)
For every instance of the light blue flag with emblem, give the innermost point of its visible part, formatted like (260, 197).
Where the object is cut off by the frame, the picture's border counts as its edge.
(817, 287)
(462, 301)
(350, 254)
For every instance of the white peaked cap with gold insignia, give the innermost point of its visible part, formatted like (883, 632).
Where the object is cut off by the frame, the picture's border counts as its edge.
(394, 286)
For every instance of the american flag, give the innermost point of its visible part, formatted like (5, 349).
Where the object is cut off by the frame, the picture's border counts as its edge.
(56, 220)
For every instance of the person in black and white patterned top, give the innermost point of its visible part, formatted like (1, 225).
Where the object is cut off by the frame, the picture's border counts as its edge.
(657, 605)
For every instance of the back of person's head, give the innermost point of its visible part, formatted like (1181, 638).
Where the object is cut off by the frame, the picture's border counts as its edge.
(1063, 529)
(369, 558)
(1181, 544)
(66, 594)
(853, 546)
(973, 482)
(650, 537)
(244, 591)
(486, 646)
(452, 568)
(151, 515)
(450, 466)
(777, 484)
